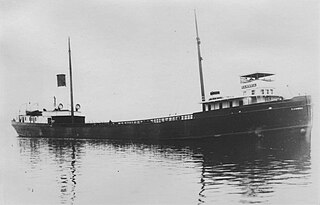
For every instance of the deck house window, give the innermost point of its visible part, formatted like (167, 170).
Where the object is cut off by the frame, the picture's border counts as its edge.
(262, 91)
(252, 92)
(267, 91)
(230, 104)
(240, 102)
(220, 105)
(271, 91)
(209, 107)
(254, 99)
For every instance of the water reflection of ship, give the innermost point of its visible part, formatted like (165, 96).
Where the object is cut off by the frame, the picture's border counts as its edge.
(252, 167)
(66, 155)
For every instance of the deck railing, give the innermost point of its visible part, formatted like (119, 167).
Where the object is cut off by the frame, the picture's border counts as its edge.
(130, 122)
(156, 120)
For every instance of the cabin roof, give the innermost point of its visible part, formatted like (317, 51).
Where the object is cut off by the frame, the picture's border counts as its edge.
(223, 99)
(257, 75)
(229, 98)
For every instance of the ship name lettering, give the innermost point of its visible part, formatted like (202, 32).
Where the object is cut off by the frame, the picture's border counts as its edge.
(249, 86)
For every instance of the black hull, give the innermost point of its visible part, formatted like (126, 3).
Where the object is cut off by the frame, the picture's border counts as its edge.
(293, 114)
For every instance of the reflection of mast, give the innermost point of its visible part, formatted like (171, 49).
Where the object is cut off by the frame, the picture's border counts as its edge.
(202, 181)
(203, 98)
(73, 175)
(67, 188)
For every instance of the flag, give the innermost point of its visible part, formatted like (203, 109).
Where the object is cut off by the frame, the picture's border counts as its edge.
(61, 80)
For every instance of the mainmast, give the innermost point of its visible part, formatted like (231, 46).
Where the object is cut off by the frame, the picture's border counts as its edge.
(71, 91)
(203, 98)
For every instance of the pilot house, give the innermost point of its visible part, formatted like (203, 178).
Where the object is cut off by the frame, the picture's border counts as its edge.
(255, 88)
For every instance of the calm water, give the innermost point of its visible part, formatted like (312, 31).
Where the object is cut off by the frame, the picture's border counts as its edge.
(233, 171)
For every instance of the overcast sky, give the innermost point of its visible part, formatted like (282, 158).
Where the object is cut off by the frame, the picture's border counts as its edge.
(138, 59)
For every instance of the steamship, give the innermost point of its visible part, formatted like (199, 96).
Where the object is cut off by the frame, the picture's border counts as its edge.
(260, 109)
